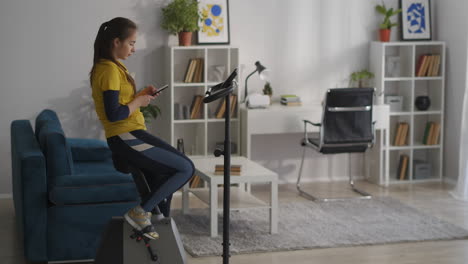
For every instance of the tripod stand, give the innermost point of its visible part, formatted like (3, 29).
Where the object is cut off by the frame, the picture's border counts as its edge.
(219, 91)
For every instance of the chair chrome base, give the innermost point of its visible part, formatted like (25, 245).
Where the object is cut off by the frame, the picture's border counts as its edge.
(364, 195)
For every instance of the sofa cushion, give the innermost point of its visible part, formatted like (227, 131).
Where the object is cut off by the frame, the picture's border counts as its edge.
(58, 156)
(87, 149)
(93, 182)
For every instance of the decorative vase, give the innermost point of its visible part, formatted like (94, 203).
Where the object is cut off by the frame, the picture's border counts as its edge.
(185, 38)
(422, 103)
(385, 35)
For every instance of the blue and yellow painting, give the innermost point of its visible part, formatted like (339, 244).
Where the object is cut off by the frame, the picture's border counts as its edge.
(213, 21)
(416, 18)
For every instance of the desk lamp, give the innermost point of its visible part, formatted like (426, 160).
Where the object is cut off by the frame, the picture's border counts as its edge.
(262, 71)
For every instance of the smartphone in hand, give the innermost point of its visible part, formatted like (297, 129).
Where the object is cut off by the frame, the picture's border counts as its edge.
(160, 89)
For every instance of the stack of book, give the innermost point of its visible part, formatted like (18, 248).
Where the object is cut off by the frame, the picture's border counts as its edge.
(428, 65)
(195, 181)
(431, 133)
(402, 167)
(235, 169)
(290, 100)
(194, 72)
(221, 110)
(196, 108)
(401, 134)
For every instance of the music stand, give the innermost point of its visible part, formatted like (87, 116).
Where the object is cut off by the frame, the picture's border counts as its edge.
(216, 92)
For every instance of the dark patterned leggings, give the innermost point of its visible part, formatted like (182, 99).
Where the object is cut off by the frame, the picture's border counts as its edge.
(165, 168)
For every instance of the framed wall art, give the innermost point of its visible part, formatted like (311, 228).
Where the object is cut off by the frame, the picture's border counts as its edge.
(214, 25)
(415, 20)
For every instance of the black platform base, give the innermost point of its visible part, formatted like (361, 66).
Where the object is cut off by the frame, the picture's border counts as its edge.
(121, 244)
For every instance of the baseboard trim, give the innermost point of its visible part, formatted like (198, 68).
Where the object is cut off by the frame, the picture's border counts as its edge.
(6, 196)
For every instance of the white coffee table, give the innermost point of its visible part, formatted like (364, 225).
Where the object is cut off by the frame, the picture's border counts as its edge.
(251, 172)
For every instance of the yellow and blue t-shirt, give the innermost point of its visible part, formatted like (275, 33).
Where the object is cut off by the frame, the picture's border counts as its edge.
(111, 93)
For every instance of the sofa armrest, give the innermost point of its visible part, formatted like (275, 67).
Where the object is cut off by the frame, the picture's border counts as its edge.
(29, 190)
(88, 149)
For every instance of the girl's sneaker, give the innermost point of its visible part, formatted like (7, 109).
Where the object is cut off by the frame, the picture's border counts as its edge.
(141, 220)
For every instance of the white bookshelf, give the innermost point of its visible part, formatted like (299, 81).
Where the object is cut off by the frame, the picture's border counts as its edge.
(200, 135)
(405, 83)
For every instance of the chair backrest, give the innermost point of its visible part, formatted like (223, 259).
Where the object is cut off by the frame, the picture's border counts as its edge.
(347, 117)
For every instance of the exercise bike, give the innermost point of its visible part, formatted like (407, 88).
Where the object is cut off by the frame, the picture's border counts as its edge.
(123, 244)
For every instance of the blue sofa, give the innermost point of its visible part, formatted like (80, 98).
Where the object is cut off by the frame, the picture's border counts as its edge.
(65, 190)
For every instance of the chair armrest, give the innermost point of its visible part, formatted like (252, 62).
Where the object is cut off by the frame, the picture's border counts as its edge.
(305, 127)
(312, 123)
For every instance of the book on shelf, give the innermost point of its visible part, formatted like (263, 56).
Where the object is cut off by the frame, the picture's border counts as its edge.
(232, 173)
(235, 169)
(185, 112)
(426, 132)
(290, 100)
(190, 69)
(436, 134)
(196, 107)
(195, 181)
(431, 133)
(221, 109)
(292, 103)
(401, 134)
(177, 111)
(194, 71)
(428, 65)
(402, 167)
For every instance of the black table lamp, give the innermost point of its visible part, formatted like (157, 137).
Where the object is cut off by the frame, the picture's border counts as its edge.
(262, 71)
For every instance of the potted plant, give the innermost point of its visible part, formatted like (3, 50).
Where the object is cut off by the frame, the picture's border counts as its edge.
(267, 90)
(360, 78)
(181, 17)
(386, 25)
(150, 112)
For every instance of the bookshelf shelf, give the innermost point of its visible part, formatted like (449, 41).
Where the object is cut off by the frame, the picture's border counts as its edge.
(189, 121)
(400, 113)
(399, 72)
(427, 113)
(397, 79)
(220, 120)
(192, 71)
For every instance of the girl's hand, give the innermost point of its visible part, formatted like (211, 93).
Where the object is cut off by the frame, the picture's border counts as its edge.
(148, 90)
(144, 99)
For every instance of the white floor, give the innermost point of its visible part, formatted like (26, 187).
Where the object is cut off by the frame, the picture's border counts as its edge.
(432, 198)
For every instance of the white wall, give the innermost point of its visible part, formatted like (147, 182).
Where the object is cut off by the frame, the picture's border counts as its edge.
(454, 32)
(311, 45)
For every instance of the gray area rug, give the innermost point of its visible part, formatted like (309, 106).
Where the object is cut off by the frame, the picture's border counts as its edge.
(305, 225)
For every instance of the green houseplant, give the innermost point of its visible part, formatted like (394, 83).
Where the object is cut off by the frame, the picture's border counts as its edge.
(150, 112)
(181, 17)
(267, 90)
(386, 25)
(360, 78)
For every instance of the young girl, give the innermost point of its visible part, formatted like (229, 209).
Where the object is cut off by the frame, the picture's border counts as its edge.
(117, 106)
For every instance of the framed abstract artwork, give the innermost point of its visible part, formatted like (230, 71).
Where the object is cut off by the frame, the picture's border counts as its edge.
(415, 20)
(214, 23)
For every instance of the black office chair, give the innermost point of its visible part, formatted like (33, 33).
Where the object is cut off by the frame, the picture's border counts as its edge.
(346, 127)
